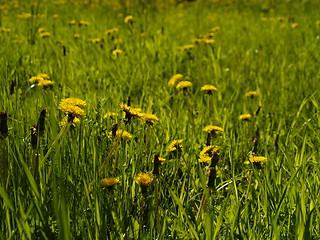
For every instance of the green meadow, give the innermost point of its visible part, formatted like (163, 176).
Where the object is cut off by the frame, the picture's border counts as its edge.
(164, 119)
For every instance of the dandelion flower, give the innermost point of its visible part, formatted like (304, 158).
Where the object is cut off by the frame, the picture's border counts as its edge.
(251, 94)
(45, 83)
(73, 106)
(175, 79)
(83, 23)
(44, 34)
(41, 30)
(256, 159)
(130, 111)
(72, 22)
(76, 35)
(215, 29)
(161, 159)
(75, 102)
(148, 118)
(35, 79)
(110, 31)
(245, 117)
(128, 19)
(43, 75)
(116, 52)
(294, 25)
(109, 182)
(122, 134)
(184, 84)
(208, 89)
(214, 128)
(175, 145)
(144, 179)
(207, 153)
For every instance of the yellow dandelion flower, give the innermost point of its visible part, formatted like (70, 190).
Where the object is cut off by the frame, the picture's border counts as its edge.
(208, 89)
(186, 47)
(73, 106)
(208, 41)
(124, 135)
(55, 16)
(94, 40)
(294, 25)
(128, 19)
(83, 23)
(183, 84)
(204, 159)
(73, 22)
(76, 35)
(41, 30)
(214, 128)
(133, 112)
(45, 83)
(175, 145)
(110, 114)
(256, 159)
(75, 102)
(245, 117)
(251, 94)
(75, 121)
(208, 150)
(215, 29)
(144, 179)
(116, 52)
(35, 79)
(44, 76)
(148, 118)
(45, 34)
(109, 182)
(111, 31)
(175, 79)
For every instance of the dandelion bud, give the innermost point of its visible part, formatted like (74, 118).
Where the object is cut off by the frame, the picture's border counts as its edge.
(114, 129)
(214, 159)
(41, 122)
(156, 164)
(3, 125)
(257, 111)
(212, 177)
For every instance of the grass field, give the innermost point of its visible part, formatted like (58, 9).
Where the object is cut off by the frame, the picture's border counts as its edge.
(160, 119)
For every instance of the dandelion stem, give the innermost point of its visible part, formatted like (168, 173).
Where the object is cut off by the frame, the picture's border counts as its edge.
(4, 164)
(156, 196)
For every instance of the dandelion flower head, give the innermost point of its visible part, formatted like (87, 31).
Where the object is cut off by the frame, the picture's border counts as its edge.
(214, 128)
(245, 117)
(144, 179)
(183, 84)
(251, 94)
(148, 118)
(175, 79)
(175, 145)
(128, 19)
(73, 106)
(109, 182)
(130, 110)
(208, 88)
(122, 134)
(256, 159)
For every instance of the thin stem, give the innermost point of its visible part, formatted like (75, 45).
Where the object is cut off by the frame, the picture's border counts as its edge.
(4, 165)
